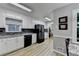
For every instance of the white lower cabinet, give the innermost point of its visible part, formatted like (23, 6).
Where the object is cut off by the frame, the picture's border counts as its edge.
(33, 38)
(3, 47)
(10, 44)
(20, 42)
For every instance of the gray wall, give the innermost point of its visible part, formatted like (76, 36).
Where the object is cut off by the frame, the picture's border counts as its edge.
(65, 11)
(7, 10)
(59, 42)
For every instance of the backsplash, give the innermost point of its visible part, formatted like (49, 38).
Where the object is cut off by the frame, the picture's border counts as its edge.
(2, 30)
(23, 30)
(29, 30)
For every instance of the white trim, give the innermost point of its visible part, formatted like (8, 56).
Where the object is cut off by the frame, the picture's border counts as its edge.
(59, 52)
(74, 26)
(62, 36)
(22, 7)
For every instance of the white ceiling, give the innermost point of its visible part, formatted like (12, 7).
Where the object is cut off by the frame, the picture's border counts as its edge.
(40, 10)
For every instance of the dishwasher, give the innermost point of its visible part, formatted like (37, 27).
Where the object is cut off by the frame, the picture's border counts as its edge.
(27, 40)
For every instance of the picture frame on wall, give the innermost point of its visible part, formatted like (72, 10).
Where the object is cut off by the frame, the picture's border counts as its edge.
(63, 26)
(63, 19)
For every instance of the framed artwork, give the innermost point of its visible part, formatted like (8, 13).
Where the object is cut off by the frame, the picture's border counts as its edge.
(63, 19)
(63, 26)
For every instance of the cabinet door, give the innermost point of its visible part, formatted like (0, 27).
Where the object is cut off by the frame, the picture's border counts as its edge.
(17, 44)
(11, 44)
(14, 43)
(3, 47)
(33, 38)
(20, 42)
(74, 26)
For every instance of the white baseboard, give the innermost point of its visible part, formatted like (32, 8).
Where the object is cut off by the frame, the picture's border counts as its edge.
(59, 52)
(62, 36)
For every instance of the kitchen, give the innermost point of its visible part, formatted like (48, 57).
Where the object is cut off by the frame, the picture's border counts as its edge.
(14, 25)
(42, 29)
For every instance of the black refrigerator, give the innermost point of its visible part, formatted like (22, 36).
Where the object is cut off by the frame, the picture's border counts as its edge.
(40, 33)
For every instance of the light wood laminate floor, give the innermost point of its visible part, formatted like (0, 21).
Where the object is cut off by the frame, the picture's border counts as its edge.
(42, 49)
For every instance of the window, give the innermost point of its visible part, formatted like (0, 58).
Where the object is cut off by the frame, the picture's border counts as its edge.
(13, 27)
(17, 27)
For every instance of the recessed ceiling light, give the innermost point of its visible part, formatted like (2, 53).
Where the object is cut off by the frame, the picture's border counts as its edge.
(22, 7)
(47, 18)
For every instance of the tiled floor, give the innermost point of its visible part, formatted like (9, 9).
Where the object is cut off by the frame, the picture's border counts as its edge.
(42, 49)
